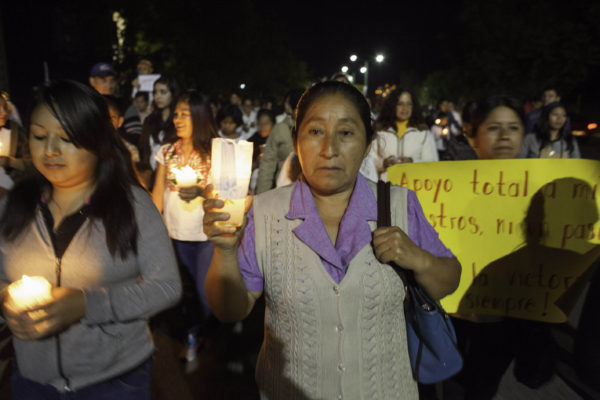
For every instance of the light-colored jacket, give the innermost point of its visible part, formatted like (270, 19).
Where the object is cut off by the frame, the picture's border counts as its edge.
(418, 145)
(120, 295)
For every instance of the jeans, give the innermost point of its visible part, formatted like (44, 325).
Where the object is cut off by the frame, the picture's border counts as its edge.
(196, 257)
(132, 385)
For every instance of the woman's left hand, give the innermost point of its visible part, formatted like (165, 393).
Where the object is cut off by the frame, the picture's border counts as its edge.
(189, 193)
(391, 244)
(66, 308)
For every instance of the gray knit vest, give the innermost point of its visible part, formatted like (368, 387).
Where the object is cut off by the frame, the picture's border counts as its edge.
(325, 340)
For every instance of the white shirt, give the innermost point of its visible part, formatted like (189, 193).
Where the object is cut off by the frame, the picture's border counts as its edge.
(184, 220)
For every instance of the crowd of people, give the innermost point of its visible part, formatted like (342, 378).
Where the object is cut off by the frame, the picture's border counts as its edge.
(91, 201)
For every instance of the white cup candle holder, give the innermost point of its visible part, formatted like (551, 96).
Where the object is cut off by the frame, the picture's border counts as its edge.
(231, 168)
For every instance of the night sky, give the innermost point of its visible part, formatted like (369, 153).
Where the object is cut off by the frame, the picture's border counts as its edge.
(325, 33)
(415, 37)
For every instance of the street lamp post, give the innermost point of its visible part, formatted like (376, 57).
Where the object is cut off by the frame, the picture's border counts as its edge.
(365, 69)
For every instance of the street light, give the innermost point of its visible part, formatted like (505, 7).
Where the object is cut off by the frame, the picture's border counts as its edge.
(344, 69)
(353, 57)
(365, 70)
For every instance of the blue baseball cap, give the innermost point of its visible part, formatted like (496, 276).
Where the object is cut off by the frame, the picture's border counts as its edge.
(102, 69)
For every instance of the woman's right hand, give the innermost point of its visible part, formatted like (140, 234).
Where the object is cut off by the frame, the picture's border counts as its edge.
(223, 236)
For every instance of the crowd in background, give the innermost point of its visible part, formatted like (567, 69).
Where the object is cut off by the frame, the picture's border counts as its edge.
(170, 127)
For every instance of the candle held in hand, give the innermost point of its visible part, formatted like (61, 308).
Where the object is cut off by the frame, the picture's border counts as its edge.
(29, 292)
(4, 142)
(231, 169)
(185, 176)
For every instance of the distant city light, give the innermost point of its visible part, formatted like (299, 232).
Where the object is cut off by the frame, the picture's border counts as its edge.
(363, 70)
(592, 126)
(353, 57)
(243, 86)
(379, 58)
(344, 69)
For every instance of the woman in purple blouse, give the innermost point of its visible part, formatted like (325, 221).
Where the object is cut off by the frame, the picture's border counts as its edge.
(334, 322)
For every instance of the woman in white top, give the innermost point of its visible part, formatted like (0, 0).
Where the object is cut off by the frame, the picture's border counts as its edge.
(179, 197)
(401, 137)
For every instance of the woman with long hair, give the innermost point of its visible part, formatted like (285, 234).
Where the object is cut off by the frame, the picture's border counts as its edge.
(401, 135)
(82, 221)
(181, 202)
(551, 137)
(158, 126)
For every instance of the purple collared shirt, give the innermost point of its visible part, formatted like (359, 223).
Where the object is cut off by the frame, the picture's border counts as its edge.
(353, 235)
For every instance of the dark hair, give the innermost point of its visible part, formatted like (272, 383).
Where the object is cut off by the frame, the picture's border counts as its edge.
(143, 94)
(267, 99)
(171, 84)
(441, 100)
(112, 102)
(542, 127)
(203, 123)
(293, 97)
(233, 111)
(349, 92)
(468, 110)
(270, 114)
(387, 115)
(485, 107)
(547, 88)
(336, 77)
(154, 124)
(83, 114)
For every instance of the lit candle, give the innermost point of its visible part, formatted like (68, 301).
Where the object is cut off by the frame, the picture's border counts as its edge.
(29, 292)
(231, 168)
(185, 176)
(4, 142)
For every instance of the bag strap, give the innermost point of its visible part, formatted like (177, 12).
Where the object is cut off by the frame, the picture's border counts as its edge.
(384, 218)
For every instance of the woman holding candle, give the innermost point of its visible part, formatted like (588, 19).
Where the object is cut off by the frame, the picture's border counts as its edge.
(401, 136)
(551, 136)
(82, 222)
(334, 323)
(181, 175)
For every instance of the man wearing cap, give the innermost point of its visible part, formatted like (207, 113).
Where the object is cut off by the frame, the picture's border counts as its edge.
(102, 78)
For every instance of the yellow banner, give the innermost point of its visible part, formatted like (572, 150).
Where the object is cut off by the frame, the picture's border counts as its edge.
(525, 231)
